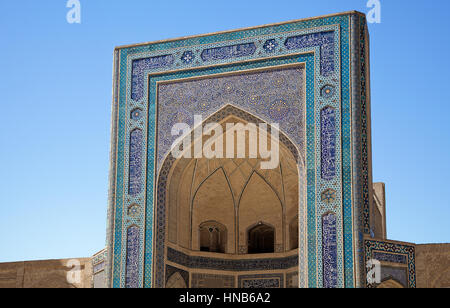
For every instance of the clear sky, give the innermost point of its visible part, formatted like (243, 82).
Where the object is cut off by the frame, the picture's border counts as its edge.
(55, 96)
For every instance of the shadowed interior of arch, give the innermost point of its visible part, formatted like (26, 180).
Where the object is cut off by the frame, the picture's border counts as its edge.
(212, 203)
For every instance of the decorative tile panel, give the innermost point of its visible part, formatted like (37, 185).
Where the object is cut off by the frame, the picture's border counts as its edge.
(135, 173)
(389, 257)
(132, 265)
(323, 39)
(228, 52)
(265, 281)
(329, 247)
(329, 196)
(328, 139)
(275, 95)
(139, 68)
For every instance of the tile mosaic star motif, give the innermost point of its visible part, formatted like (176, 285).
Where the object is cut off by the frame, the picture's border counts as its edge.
(270, 45)
(327, 91)
(187, 57)
(329, 196)
(136, 114)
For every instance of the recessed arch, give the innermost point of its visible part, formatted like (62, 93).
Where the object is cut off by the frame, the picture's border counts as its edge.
(261, 238)
(212, 237)
(166, 171)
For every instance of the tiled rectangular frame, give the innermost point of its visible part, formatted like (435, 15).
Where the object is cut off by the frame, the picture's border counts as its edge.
(123, 104)
(404, 249)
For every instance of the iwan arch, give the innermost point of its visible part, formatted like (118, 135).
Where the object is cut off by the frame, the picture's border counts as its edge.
(313, 221)
(233, 210)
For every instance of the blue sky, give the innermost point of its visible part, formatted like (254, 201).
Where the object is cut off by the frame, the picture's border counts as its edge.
(56, 81)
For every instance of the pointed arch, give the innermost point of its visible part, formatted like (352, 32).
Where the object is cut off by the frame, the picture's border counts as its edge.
(261, 238)
(176, 281)
(169, 162)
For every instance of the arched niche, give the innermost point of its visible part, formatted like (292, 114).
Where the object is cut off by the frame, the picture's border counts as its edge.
(186, 188)
(213, 237)
(261, 239)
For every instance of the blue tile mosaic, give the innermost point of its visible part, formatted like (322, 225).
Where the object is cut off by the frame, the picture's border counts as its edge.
(228, 52)
(328, 139)
(389, 257)
(329, 251)
(187, 57)
(136, 114)
(140, 66)
(323, 39)
(270, 45)
(327, 91)
(135, 164)
(132, 265)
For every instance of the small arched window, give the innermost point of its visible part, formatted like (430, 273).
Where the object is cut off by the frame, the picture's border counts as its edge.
(261, 239)
(213, 237)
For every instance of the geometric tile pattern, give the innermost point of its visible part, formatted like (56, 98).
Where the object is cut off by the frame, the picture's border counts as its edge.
(364, 126)
(132, 266)
(276, 96)
(327, 91)
(329, 196)
(329, 251)
(323, 39)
